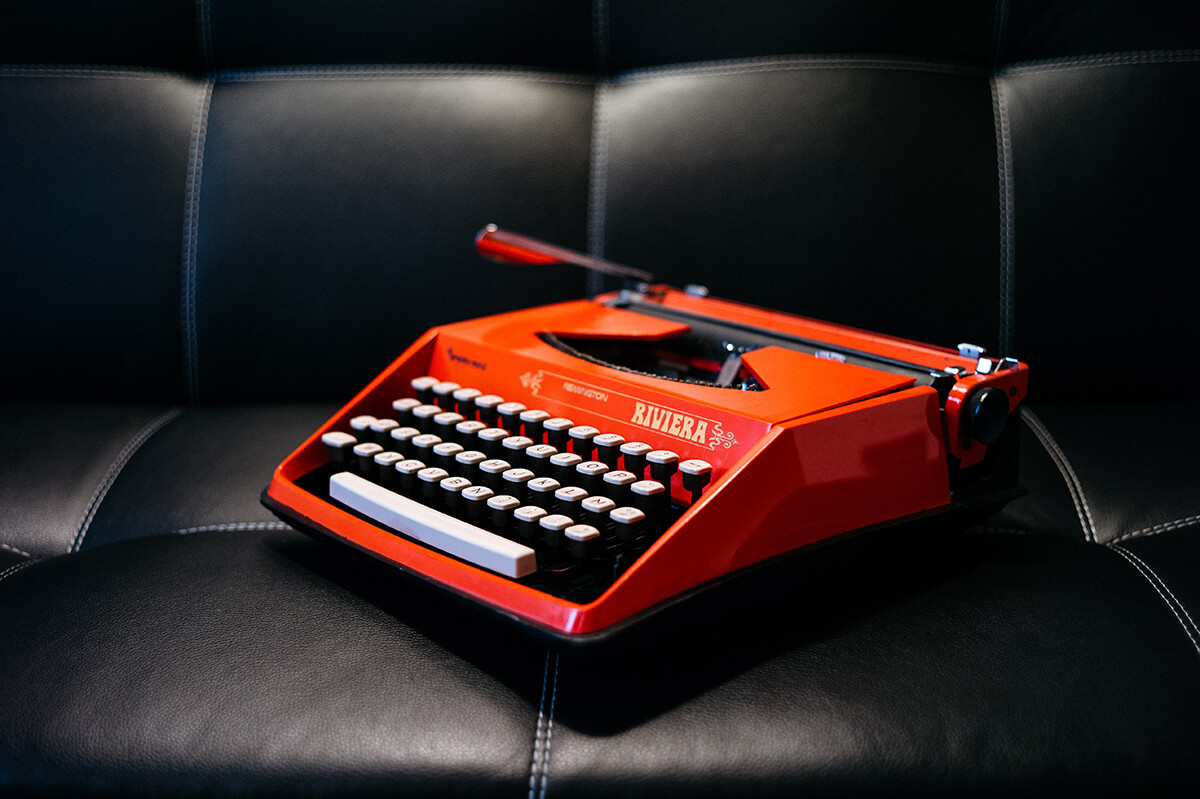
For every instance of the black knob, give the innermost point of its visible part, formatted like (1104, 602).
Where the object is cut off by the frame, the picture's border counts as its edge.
(987, 415)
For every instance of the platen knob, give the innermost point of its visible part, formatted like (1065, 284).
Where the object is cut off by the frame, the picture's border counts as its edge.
(987, 415)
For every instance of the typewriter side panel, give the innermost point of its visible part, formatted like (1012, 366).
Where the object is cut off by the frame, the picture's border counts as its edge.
(879, 461)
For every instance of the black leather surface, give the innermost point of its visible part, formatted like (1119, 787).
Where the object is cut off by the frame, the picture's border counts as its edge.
(60, 458)
(149, 33)
(1106, 250)
(543, 33)
(1091, 499)
(641, 34)
(94, 166)
(270, 214)
(221, 663)
(266, 662)
(971, 669)
(872, 170)
(199, 472)
(1035, 29)
(349, 201)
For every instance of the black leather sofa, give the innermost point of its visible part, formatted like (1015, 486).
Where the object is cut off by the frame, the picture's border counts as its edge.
(221, 219)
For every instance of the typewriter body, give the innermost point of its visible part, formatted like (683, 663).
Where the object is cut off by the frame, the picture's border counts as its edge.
(576, 465)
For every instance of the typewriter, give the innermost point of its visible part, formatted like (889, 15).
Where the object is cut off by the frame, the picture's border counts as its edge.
(578, 465)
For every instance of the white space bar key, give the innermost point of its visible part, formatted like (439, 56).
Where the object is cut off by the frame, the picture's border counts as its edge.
(433, 527)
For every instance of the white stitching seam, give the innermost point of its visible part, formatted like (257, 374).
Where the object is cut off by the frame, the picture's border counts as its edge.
(397, 72)
(536, 760)
(598, 182)
(191, 238)
(13, 549)
(1064, 467)
(600, 34)
(742, 66)
(234, 526)
(13, 569)
(204, 32)
(1164, 527)
(1177, 608)
(549, 733)
(1121, 59)
(1007, 227)
(114, 469)
(60, 71)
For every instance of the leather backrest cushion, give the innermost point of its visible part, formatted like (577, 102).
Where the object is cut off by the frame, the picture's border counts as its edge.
(234, 224)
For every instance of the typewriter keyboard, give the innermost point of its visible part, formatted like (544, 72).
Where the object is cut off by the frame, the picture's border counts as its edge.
(552, 502)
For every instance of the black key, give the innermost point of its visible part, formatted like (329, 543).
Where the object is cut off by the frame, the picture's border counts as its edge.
(663, 464)
(568, 500)
(557, 432)
(381, 430)
(634, 453)
(423, 417)
(553, 525)
(445, 424)
(489, 441)
(608, 448)
(385, 467)
(583, 541)
(423, 386)
(406, 473)
(531, 423)
(581, 440)
(364, 458)
(510, 416)
(537, 459)
(596, 510)
(339, 447)
(563, 467)
(629, 524)
(514, 449)
(444, 454)
(695, 474)
(514, 482)
(404, 407)
(501, 507)
(650, 496)
(428, 480)
(422, 446)
(466, 463)
(402, 439)
(452, 488)
(490, 472)
(616, 486)
(475, 500)
(360, 426)
(467, 433)
(443, 394)
(464, 401)
(486, 405)
(527, 518)
(541, 492)
(589, 475)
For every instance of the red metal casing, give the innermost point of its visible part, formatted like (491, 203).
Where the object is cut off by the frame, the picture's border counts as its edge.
(826, 448)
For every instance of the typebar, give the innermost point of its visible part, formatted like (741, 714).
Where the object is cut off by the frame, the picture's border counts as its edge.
(432, 527)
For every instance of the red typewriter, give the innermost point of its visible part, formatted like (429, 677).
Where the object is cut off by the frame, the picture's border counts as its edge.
(578, 465)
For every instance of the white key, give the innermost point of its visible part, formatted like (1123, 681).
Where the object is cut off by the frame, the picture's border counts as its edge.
(437, 529)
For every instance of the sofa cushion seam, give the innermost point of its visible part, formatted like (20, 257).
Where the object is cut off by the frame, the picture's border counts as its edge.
(114, 470)
(191, 239)
(1074, 486)
(1155, 529)
(1164, 592)
(16, 567)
